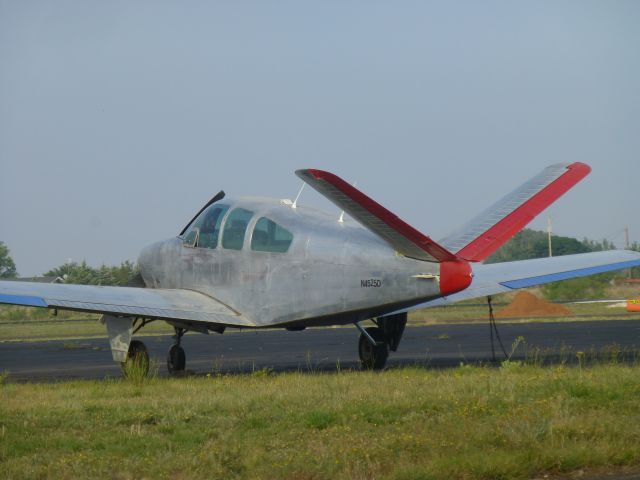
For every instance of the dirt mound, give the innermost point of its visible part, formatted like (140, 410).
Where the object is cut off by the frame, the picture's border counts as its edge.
(525, 304)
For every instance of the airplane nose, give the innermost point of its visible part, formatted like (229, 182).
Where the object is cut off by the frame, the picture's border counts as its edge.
(145, 262)
(455, 276)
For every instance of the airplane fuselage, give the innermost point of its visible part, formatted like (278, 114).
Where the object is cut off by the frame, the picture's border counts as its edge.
(333, 272)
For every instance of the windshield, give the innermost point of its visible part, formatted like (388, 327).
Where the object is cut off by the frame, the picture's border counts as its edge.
(205, 229)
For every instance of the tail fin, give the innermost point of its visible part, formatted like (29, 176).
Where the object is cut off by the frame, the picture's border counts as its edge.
(400, 235)
(484, 234)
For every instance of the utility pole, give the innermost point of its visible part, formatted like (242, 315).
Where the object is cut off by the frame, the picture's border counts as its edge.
(627, 245)
(549, 234)
(626, 237)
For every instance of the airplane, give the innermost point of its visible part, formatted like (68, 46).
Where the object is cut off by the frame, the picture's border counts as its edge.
(256, 263)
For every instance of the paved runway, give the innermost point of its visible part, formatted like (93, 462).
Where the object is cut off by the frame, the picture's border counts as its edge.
(316, 349)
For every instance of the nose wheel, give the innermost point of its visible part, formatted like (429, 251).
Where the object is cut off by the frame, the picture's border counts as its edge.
(176, 358)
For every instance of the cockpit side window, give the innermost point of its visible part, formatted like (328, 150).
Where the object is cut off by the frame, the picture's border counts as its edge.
(205, 230)
(268, 236)
(235, 227)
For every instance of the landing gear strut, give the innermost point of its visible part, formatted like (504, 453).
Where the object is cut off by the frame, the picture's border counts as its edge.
(176, 358)
(375, 342)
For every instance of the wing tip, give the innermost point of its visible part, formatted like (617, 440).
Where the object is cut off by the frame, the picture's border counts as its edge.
(315, 173)
(580, 168)
(23, 300)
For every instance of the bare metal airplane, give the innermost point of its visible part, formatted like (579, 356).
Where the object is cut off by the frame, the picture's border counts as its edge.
(262, 263)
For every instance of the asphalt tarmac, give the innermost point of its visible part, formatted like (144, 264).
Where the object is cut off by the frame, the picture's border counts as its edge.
(311, 350)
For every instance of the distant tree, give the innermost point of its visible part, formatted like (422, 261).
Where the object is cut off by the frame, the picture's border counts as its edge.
(529, 243)
(81, 273)
(7, 266)
(635, 272)
(582, 288)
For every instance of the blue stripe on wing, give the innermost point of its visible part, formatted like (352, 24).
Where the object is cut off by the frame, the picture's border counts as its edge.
(26, 300)
(554, 277)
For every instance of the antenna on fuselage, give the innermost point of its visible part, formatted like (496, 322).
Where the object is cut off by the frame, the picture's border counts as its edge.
(341, 219)
(295, 202)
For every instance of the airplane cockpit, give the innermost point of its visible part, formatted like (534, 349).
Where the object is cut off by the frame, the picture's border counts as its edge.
(217, 227)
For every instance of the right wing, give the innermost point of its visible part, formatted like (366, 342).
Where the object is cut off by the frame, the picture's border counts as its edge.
(163, 304)
(400, 235)
(504, 277)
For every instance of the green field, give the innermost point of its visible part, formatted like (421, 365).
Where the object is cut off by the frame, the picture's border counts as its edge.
(517, 421)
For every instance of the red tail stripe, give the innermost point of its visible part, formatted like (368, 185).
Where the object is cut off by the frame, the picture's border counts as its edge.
(501, 232)
(422, 241)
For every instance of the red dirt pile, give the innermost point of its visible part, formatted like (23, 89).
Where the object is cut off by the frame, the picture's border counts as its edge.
(525, 304)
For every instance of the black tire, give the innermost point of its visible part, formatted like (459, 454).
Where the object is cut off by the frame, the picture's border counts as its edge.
(137, 359)
(176, 359)
(373, 357)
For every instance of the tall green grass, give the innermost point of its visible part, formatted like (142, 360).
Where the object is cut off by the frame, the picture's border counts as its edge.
(515, 421)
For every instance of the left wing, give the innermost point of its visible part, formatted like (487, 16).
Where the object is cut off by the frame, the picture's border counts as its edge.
(164, 304)
(504, 277)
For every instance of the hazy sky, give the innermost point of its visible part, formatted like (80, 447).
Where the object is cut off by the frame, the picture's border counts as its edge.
(119, 119)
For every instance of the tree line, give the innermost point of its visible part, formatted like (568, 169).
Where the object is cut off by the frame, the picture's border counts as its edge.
(127, 273)
(528, 244)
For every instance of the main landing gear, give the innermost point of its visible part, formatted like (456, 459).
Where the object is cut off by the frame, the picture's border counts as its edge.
(373, 349)
(375, 342)
(137, 358)
(176, 359)
(137, 362)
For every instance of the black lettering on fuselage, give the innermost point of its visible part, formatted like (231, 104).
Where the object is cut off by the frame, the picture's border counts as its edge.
(371, 283)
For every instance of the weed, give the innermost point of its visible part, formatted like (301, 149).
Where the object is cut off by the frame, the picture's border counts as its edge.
(319, 419)
(262, 372)
(510, 364)
(140, 371)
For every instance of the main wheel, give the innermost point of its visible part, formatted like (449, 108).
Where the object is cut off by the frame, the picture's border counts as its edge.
(373, 357)
(176, 359)
(137, 363)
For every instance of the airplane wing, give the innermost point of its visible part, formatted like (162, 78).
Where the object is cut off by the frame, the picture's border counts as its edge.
(163, 304)
(504, 277)
(400, 235)
(484, 234)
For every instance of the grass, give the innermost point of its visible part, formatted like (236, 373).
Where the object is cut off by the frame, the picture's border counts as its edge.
(516, 421)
